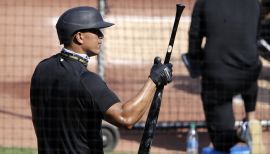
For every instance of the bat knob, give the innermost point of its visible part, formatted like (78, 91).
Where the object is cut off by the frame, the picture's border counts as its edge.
(157, 60)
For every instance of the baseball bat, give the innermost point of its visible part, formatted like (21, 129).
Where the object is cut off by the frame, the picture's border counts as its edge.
(151, 122)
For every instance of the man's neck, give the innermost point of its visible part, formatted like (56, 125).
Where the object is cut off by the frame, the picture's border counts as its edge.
(83, 55)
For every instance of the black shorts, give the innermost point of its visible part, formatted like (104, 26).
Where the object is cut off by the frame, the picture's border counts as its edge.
(218, 108)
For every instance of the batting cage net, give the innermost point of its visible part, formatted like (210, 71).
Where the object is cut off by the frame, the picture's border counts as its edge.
(141, 32)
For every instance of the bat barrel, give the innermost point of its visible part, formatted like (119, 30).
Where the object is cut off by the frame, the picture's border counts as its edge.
(179, 10)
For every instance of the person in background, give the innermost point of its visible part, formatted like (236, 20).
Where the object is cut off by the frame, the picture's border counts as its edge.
(264, 35)
(265, 21)
(69, 102)
(230, 66)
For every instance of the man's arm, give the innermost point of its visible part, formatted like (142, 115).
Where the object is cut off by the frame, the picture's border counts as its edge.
(128, 113)
(196, 30)
(193, 59)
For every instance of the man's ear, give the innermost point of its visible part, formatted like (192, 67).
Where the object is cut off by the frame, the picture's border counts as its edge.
(78, 38)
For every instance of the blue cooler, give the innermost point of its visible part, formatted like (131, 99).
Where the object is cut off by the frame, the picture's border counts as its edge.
(233, 150)
(210, 150)
(240, 150)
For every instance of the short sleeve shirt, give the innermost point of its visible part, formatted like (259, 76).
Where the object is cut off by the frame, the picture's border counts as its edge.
(68, 103)
(230, 29)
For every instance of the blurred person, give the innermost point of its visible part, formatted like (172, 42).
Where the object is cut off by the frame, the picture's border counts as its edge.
(229, 65)
(265, 20)
(264, 35)
(68, 102)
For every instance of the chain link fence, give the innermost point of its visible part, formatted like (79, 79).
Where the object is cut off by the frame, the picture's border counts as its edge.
(141, 32)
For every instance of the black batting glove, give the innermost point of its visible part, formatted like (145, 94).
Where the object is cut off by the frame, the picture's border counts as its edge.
(161, 74)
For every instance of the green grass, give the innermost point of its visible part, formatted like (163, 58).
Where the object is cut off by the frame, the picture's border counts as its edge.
(114, 153)
(11, 150)
(17, 151)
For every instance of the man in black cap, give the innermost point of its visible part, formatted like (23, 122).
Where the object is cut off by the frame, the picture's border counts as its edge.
(230, 66)
(68, 102)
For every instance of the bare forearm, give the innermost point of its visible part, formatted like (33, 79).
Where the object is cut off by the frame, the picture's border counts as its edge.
(128, 113)
(135, 108)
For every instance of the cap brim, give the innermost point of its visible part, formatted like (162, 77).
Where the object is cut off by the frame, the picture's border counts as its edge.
(105, 24)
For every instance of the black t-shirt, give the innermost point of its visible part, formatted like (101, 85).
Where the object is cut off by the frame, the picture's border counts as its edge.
(68, 103)
(230, 28)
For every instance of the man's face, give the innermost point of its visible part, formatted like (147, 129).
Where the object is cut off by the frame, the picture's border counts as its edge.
(91, 41)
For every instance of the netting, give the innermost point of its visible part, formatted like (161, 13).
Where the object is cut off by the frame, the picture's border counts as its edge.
(141, 32)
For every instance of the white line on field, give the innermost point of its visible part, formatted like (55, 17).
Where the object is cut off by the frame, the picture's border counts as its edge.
(148, 19)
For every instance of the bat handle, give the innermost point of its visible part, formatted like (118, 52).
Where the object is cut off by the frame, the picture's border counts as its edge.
(168, 54)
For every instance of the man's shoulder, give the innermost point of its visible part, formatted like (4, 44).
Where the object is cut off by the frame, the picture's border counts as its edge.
(92, 82)
(88, 76)
(44, 64)
(49, 59)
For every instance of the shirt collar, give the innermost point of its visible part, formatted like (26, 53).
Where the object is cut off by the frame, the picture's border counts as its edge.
(75, 53)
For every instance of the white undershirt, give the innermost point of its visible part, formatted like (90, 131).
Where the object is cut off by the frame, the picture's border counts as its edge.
(75, 53)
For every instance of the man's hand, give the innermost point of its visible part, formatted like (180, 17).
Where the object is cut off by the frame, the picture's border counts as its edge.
(161, 74)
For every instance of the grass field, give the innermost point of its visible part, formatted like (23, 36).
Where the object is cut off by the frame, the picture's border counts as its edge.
(13, 150)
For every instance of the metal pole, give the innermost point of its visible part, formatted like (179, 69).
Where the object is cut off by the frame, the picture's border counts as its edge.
(100, 57)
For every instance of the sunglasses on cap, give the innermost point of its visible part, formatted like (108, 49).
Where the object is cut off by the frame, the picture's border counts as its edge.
(94, 31)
